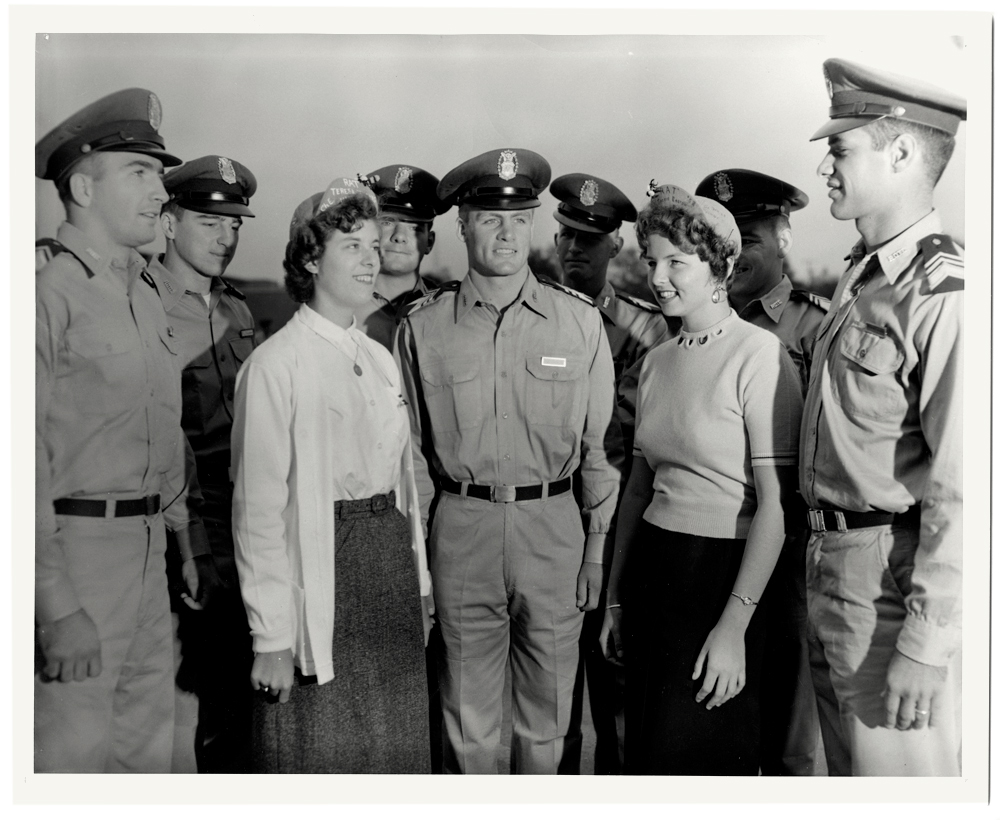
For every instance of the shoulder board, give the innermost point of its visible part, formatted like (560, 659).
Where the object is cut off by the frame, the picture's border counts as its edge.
(812, 298)
(423, 301)
(47, 249)
(551, 283)
(943, 263)
(232, 291)
(635, 301)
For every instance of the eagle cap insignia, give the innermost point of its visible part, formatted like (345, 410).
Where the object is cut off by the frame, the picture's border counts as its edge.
(226, 171)
(588, 193)
(404, 180)
(723, 187)
(154, 111)
(507, 165)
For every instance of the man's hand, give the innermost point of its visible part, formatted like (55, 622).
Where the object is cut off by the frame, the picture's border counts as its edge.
(910, 691)
(610, 638)
(589, 583)
(201, 578)
(272, 673)
(427, 613)
(71, 648)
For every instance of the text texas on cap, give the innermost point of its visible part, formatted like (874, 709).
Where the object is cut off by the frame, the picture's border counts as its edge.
(408, 191)
(750, 195)
(506, 179)
(212, 185)
(591, 204)
(127, 120)
(860, 95)
(339, 189)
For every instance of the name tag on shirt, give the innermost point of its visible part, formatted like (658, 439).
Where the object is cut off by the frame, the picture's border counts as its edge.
(553, 361)
(246, 333)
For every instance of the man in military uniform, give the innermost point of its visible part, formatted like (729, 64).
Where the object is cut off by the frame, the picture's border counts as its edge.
(881, 448)
(590, 213)
(509, 384)
(109, 452)
(762, 294)
(213, 333)
(408, 203)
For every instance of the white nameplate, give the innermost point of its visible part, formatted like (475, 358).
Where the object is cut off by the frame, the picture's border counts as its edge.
(553, 361)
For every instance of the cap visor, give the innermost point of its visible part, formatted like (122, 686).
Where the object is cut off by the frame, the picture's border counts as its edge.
(218, 208)
(147, 148)
(407, 214)
(501, 203)
(580, 226)
(840, 125)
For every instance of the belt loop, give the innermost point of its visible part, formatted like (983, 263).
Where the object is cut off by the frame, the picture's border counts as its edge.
(464, 491)
(841, 521)
(545, 490)
(109, 508)
(816, 523)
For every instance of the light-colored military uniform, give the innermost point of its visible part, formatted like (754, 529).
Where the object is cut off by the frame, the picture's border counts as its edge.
(515, 399)
(107, 429)
(633, 325)
(379, 318)
(882, 431)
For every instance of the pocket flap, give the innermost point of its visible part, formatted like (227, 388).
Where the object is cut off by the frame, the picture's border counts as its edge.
(241, 348)
(94, 342)
(555, 368)
(871, 348)
(450, 371)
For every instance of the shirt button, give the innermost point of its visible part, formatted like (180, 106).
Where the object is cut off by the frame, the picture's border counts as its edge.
(222, 357)
(503, 374)
(507, 457)
(503, 333)
(380, 446)
(372, 402)
(862, 353)
(505, 415)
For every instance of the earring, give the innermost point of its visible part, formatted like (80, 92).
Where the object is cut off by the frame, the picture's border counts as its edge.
(717, 295)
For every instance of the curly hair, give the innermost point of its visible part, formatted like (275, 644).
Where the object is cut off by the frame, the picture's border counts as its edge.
(309, 242)
(690, 233)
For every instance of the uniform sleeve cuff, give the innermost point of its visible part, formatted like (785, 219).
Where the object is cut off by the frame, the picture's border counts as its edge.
(281, 642)
(192, 541)
(56, 602)
(927, 643)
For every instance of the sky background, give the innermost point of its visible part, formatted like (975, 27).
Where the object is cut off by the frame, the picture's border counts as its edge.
(301, 109)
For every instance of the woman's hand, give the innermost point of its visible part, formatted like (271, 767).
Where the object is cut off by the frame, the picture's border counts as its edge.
(723, 658)
(611, 636)
(272, 673)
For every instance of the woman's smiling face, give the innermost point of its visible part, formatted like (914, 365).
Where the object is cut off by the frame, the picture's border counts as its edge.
(681, 282)
(345, 273)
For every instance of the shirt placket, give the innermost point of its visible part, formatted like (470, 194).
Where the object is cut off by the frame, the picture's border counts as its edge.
(146, 331)
(504, 351)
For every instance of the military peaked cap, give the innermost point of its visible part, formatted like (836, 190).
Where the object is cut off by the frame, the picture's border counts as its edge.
(749, 195)
(212, 185)
(408, 191)
(507, 179)
(590, 204)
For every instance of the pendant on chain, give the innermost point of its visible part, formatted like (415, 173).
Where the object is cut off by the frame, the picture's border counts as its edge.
(357, 368)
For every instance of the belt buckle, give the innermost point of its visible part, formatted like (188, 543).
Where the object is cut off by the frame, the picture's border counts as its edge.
(380, 503)
(503, 493)
(816, 522)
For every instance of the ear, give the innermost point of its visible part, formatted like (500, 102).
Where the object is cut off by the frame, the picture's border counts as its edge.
(902, 152)
(784, 237)
(430, 241)
(555, 239)
(730, 264)
(460, 230)
(312, 267)
(81, 188)
(167, 221)
(616, 249)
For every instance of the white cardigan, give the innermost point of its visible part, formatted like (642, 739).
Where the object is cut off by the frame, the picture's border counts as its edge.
(283, 471)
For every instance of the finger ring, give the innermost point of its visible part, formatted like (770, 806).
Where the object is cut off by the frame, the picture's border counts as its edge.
(921, 711)
(265, 689)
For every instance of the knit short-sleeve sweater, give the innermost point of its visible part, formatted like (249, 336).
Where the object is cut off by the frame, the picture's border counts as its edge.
(712, 405)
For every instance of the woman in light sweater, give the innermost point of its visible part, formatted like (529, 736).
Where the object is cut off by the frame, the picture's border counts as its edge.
(323, 491)
(700, 524)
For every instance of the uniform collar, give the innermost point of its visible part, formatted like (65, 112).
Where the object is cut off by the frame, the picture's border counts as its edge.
(322, 326)
(775, 300)
(896, 255)
(171, 287)
(93, 254)
(605, 301)
(533, 295)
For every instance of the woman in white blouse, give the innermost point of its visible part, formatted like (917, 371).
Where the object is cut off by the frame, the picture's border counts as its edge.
(328, 541)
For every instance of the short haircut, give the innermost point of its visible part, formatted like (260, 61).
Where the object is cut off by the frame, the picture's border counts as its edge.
(92, 165)
(172, 207)
(309, 242)
(690, 233)
(936, 145)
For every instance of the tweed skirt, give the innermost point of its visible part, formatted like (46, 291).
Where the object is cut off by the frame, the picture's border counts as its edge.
(372, 718)
(677, 588)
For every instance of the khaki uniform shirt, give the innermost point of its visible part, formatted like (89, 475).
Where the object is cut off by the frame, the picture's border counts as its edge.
(520, 398)
(793, 316)
(107, 401)
(633, 326)
(212, 341)
(882, 425)
(379, 318)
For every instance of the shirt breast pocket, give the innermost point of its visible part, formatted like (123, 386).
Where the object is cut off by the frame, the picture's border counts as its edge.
(109, 374)
(242, 348)
(453, 394)
(867, 382)
(554, 390)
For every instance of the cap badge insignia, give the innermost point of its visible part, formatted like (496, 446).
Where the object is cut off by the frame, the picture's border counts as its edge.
(507, 165)
(723, 187)
(154, 111)
(226, 171)
(588, 193)
(404, 180)
(829, 84)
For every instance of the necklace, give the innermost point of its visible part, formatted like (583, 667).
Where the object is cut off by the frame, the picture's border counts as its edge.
(357, 352)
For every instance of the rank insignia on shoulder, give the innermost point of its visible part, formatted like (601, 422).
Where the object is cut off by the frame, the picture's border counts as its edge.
(411, 307)
(943, 263)
(232, 291)
(635, 301)
(551, 283)
(811, 298)
(246, 333)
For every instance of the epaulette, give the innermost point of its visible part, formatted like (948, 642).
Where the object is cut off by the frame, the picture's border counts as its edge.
(635, 301)
(47, 249)
(943, 263)
(431, 297)
(551, 283)
(232, 291)
(811, 298)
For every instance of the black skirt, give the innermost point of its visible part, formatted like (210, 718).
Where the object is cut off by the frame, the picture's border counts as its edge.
(676, 590)
(372, 718)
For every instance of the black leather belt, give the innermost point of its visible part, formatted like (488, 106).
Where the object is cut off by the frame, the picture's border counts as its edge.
(505, 493)
(150, 505)
(844, 520)
(377, 504)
